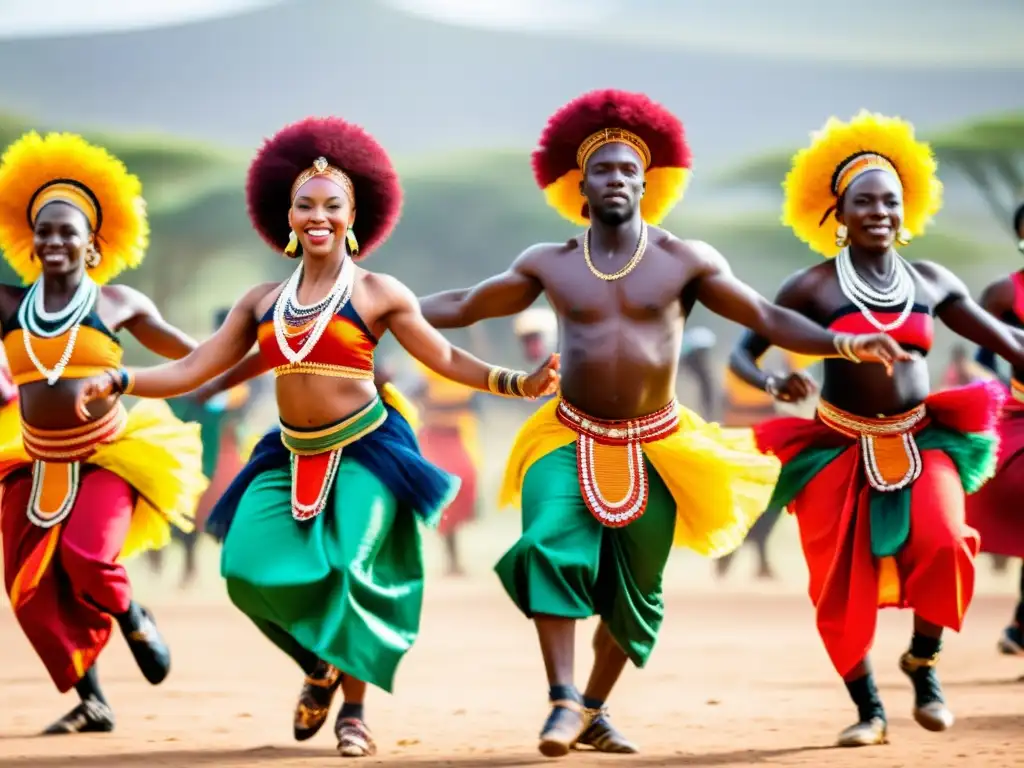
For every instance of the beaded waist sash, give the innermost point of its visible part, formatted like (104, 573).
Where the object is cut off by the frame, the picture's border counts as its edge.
(56, 463)
(891, 458)
(316, 455)
(610, 460)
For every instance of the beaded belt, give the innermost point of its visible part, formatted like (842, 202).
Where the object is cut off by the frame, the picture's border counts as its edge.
(891, 458)
(610, 460)
(324, 369)
(316, 455)
(56, 463)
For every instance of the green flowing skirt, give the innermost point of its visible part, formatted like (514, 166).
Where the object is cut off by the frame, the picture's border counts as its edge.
(346, 585)
(568, 564)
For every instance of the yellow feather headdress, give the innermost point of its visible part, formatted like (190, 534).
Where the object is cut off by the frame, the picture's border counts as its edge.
(36, 170)
(838, 153)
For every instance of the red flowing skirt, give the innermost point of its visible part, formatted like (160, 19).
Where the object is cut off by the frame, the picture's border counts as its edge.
(997, 510)
(933, 573)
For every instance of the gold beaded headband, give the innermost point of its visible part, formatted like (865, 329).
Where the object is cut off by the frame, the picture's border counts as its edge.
(605, 136)
(852, 169)
(321, 167)
(861, 164)
(66, 192)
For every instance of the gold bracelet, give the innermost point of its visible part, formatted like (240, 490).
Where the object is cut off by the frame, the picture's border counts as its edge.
(519, 384)
(506, 383)
(492, 379)
(843, 343)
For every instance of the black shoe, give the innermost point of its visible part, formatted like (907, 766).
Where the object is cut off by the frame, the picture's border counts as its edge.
(562, 729)
(315, 701)
(1011, 642)
(149, 649)
(603, 736)
(930, 710)
(90, 716)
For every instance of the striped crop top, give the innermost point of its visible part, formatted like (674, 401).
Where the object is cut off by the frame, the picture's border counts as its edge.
(96, 350)
(916, 334)
(345, 349)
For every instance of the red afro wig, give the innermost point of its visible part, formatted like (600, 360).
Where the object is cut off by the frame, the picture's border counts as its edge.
(555, 165)
(348, 147)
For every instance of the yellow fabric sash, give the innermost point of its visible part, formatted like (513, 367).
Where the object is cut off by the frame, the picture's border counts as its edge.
(721, 483)
(159, 456)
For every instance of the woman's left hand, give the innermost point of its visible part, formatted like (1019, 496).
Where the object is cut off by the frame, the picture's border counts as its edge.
(94, 388)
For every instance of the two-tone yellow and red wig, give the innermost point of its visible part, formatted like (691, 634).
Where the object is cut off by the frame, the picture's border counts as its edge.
(602, 117)
(839, 153)
(64, 167)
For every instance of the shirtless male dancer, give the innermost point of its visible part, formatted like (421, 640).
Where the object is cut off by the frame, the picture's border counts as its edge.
(617, 163)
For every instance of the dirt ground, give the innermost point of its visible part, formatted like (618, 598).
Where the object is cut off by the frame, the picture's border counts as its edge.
(739, 678)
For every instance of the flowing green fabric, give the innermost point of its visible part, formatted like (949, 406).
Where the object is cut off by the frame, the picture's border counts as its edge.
(568, 564)
(346, 585)
(974, 455)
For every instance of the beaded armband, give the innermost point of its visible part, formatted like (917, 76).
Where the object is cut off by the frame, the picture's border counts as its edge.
(502, 381)
(844, 346)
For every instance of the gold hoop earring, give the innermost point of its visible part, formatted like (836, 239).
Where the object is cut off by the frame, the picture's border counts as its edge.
(353, 244)
(904, 237)
(842, 236)
(93, 259)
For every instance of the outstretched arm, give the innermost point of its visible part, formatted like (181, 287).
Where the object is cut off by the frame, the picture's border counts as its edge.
(963, 316)
(251, 366)
(746, 356)
(721, 292)
(151, 329)
(214, 356)
(423, 341)
(506, 294)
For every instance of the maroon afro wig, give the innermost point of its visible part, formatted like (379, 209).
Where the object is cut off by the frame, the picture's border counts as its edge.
(609, 108)
(554, 161)
(348, 147)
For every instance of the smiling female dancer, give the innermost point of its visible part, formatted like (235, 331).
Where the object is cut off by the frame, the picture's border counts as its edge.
(995, 510)
(877, 481)
(79, 499)
(322, 549)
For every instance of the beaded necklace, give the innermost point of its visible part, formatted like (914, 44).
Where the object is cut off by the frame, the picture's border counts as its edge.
(292, 318)
(899, 290)
(35, 320)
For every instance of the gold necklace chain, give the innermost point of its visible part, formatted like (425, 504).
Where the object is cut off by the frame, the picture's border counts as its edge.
(641, 249)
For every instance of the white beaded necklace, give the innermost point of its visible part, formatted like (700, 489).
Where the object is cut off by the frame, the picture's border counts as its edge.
(338, 296)
(900, 290)
(32, 314)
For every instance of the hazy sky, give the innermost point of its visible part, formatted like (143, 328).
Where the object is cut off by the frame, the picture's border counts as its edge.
(25, 18)
(444, 75)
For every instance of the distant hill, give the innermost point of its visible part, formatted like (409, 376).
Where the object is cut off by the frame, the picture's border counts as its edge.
(422, 86)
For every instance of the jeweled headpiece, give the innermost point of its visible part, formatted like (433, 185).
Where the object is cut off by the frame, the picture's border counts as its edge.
(321, 167)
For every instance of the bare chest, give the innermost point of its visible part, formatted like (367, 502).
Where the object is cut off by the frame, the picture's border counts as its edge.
(585, 294)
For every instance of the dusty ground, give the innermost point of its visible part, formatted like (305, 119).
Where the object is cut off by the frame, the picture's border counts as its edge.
(739, 678)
